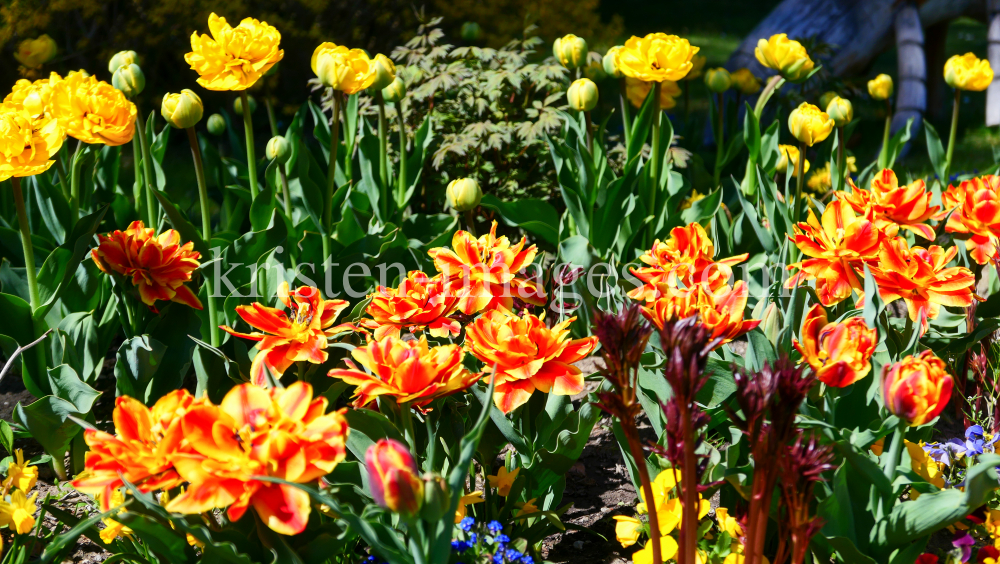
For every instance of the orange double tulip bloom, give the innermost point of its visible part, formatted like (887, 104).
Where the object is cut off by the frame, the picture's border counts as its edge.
(908, 206)
(687, 258)
(977, 215)
(158, 265)
(485, 273)
(409, 371)
(917, 388)
(721, 311)
(839, 353)
(418, 303)
(524, 355)
(300, 335)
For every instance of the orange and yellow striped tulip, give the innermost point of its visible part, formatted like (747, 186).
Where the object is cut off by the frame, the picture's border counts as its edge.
(524, 355)
(917, 388)
(839, 353)
(485, 273)
(287, 338)
(158, 265)
(721, 311)
(922, 278)
(418, 303)
(908, 206)
(411, 372)
(393, 477)
(976, 217)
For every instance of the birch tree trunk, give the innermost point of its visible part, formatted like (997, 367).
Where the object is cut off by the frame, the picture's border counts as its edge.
(911, 89)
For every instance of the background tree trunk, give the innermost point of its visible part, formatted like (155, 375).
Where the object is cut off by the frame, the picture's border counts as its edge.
(911, 83)
(993, 92)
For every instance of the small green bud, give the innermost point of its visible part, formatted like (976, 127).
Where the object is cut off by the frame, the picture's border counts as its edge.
(471, 31)
(216, 124)
(278, 149)
(129, 79)
(123, 59)
(238, 105)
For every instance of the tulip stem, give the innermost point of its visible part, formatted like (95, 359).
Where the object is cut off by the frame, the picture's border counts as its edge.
(654, 184)
(842, 174)
(74, 182)
(951, 136)
(137, 190)
(383, 158)
(285, 194)
(271, 121)
(895, 450)
(720, 132)
(29, 251)
(800, 176)
(749, 183)
(402, 150)
(331, 182)
(206, 229)
(470, 223)
(883, 154)
(147, 171)
(626, 125)
(251, 158)
(406, 421)
(590, 133)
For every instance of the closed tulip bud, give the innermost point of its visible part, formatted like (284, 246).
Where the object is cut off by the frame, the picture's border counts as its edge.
(33, 53)
(610, 65)
(745, 82)
(216, 124)
(182, 110)
(392, 476)
(570, 50)
(395, 92)
(825, 99)
(129, 79)
(968, 72)
(385, 72)
(771, 323)
(238, 105)
(437, 498)
(809, 124)
(471, 31)
(841, 111)
(880, 87)
(278, 149)
(718, 80)
(917, 388)
(582, 95)
(464, 194)
(123, 59)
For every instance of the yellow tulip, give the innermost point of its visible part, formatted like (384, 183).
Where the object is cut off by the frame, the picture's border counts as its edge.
(610, 66)
(718, 80)
(637, 90)
(784, 55)
(347, 70)
(27, 144)
(582, 95)
(93, 111)
(967, 72)
(570, 50)
(33, 97)
(182, 110)
(841, 111)
(809, 124)
(464, 194)
(33, 53)
(385, 72)
(788, 155)
(627, 530)
(234, 58)
(657, 57)
(745, 82)
(880, 87)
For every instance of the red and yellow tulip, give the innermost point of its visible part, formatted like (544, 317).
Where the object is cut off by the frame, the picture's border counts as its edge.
(908, 206)
(922, 278)
(835, 245)
(524, 355)
(411, 372)
(976, 216)
(687, 258)
(917, 388)
(839, 353)
(485, 273)
(418, 303)
(720, 311)
(393, 477)
(287, 338)
(281, 433)
(158, 265)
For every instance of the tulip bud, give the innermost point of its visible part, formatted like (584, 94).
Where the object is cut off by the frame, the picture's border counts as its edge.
(278, 149)
(745, 82)
(395, 92)
(123, 59)
(216, 124)
(464, 194)
(880, 87)
(129, 79)
(771, 323)
(392, 476)
(825, 99)
(718, 80)
(385, 72)
(840, 110)
(437, 498)
(182, 110)
(610, 65)
(33, 53)
(470, 31)
(595, 70)
(570, 50)
(582, 95)
(809, 124)
(917, 388)
(238, 105)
